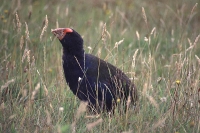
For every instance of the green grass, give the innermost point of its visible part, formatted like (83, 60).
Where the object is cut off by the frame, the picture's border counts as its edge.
(35, 97)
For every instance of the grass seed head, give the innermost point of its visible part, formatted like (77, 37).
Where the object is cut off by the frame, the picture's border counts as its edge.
(28, 56)
(27, 32)
(19, 24)
(44, 28)
(21, 42)
(138, 35)
(144, 15)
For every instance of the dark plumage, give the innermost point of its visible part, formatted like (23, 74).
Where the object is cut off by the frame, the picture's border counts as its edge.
(91, 78)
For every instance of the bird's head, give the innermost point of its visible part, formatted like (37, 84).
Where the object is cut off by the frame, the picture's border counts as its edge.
(69, 38)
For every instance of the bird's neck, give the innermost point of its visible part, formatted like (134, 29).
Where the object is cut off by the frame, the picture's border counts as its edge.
(73, 65)
(73, 57)
(78, 53)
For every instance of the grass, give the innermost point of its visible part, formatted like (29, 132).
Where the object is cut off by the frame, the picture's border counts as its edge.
(158, 46)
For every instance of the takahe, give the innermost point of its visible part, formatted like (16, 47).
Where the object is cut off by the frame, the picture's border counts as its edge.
(90, 78)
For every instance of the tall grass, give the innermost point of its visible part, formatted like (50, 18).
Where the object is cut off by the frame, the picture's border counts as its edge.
(156, 43)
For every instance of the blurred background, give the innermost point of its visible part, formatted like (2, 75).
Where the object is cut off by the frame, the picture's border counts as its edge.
(155, 42)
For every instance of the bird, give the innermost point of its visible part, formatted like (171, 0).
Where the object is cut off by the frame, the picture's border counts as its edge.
(90, 78)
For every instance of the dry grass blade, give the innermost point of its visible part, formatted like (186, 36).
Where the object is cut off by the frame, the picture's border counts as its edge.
(59, 129)
(194, 7)
(90, 126)
(2, 106)
(134, 57)
(66, 11)
(46, 90)
(153, 101)
(12, 116)
(48, 118)
(57, 24)
(153, 30)
(127, 106)
(198, 127)
(104, 33)
(144, 89)
(197, 59)
(128, 102)
(189, 41)
(194, 44)
(118, 43)
(35, 91)
(92, 116)
(73, 126)
(7, 84)
(196, 39)
(81, 109)
(159, 123)
(130, 131)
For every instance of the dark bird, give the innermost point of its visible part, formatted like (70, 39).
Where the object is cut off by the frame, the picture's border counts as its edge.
(90, 78)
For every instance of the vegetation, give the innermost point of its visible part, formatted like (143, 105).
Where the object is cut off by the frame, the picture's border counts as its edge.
(154, 42)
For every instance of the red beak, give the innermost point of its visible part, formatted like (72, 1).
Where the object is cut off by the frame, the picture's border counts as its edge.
(61, 32)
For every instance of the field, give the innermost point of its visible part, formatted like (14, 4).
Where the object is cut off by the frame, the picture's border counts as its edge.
(155, 42)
